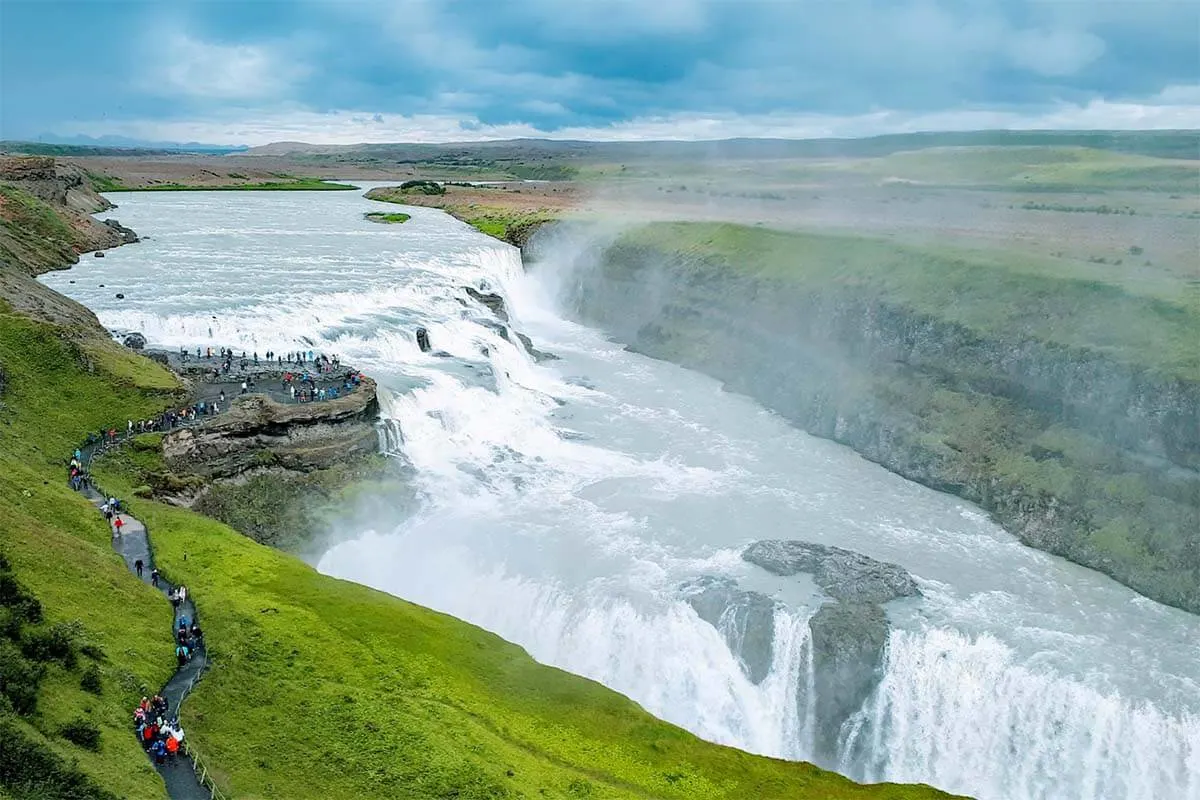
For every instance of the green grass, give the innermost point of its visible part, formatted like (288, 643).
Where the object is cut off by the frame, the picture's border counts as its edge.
(60, 547)
(297, 185)
(379, 216)
(505, 224)
(319, 688)
(105, 183)
(994, 293)
(1071, 169)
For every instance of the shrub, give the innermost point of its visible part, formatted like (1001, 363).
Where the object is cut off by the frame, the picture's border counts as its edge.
(422, 187)
(55, 644)
(10, 624)
(93, 651)
(19, 679)
(32, 769)
(82, 732)
(90, 680)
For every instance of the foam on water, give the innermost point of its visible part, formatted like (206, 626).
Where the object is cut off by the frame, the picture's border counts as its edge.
(563, 505)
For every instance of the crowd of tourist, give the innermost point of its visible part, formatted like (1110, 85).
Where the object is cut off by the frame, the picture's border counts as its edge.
(160, 736)
(303, 388)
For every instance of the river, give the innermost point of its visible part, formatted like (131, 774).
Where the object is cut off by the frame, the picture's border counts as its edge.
(564, 503)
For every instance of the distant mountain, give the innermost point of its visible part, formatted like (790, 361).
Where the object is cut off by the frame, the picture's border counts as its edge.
(51, 144)
(1163, 144)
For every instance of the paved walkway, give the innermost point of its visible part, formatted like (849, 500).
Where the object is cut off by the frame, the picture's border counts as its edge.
(178, 773)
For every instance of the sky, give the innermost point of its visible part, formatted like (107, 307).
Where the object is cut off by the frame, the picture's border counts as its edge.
(347, 71)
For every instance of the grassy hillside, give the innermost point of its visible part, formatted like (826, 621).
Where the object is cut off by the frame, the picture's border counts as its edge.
(31, 232)
(320, 688)
(1054, 300)
(60, 552)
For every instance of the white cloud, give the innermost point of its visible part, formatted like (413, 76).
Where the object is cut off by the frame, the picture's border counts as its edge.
(1054, 53)
(1176, 107)
(187, 67)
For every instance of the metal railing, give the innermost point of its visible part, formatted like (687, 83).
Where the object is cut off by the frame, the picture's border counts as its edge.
(204, 776)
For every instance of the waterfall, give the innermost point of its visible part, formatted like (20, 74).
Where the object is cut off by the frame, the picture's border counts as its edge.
(563, 506)
(960, 713)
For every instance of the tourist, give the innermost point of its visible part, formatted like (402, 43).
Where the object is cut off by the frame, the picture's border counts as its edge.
(182, 654)
(159, 751)
(138, 565)
(118, 523)
(154, 577)
(243, 387)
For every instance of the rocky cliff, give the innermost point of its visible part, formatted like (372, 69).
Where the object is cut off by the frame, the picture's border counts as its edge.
(259, 432)
(1075, 450)
(45, 215)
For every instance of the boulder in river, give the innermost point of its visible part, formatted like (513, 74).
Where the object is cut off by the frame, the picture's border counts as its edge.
(99, 254)
(842, 574)
(135, 341)
(848, 636)
(127, 234)
(848, 641)
(493, 301)
(745, 619)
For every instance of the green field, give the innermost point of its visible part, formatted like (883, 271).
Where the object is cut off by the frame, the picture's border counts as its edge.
(298, 185)
(319, 688)
(1138, 322)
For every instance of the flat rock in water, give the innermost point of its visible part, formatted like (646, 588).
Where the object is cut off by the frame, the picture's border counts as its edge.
(842, 574)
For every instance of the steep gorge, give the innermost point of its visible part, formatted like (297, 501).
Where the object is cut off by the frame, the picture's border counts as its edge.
(1078, 450)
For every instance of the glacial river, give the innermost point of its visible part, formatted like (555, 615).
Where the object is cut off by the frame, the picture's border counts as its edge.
(564, 503)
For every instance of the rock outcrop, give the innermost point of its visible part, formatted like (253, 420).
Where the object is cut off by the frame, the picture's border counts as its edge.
(259, 432)
(848, 635)
(492, 301)
(848, 641)
(745, 619)
(842, 574)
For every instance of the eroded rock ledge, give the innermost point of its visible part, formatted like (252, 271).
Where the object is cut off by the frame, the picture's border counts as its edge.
(258, 431)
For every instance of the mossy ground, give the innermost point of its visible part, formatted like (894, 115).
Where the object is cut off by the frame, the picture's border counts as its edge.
(395, 219)
(319, 688)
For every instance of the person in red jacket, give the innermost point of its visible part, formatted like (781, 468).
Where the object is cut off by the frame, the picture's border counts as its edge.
(118, 523)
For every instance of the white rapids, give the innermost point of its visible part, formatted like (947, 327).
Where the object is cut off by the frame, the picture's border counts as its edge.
(564, 503)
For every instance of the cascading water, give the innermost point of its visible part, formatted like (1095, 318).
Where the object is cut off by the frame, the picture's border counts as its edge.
(564, 505)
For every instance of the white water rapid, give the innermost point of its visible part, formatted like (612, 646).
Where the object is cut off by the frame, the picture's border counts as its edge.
(564, 503)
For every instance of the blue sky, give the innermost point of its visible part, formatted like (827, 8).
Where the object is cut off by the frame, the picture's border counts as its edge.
(343, 71)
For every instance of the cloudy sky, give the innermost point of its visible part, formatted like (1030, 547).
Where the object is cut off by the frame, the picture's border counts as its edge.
(342, 71)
